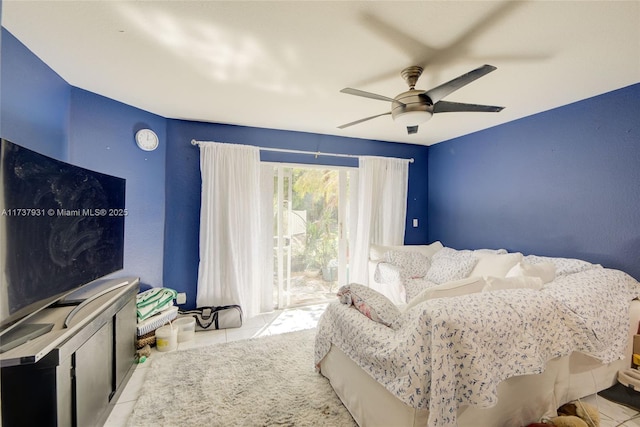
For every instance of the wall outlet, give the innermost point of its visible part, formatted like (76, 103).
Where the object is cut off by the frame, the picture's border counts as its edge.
(181, 298)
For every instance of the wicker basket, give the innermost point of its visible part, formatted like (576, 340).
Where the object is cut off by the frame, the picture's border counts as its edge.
(148, 338)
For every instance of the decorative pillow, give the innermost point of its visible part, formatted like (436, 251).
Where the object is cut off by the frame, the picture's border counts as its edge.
(447, 268)
(464, 286)
(377, 252)
(494, 265)
(369, 302)
(544, 270)
(489, 251)
(431, 249)
(412, 264)
(521, 282)
(563, 265)
(451, 253)
(388, 274)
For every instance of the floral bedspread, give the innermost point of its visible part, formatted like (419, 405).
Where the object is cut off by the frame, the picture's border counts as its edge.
(455, 351)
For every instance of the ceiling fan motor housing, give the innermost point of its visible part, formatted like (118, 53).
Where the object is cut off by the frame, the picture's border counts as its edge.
(411, 102)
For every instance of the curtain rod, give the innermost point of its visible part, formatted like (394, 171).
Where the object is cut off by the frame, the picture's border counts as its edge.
(315, 153)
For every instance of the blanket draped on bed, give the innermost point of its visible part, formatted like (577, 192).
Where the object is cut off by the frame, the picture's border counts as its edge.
(455, 351)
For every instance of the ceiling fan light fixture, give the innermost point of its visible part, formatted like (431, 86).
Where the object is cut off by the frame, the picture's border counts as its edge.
(411, 118)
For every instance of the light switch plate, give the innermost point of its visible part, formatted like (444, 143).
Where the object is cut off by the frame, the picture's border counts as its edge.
(181, 298)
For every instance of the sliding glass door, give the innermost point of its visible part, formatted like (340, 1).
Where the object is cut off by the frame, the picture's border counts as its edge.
(310, 234)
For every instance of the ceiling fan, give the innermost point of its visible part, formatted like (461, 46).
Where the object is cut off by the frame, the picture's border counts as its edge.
(416, 106)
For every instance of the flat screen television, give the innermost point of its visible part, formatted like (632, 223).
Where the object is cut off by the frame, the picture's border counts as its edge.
(61, 227)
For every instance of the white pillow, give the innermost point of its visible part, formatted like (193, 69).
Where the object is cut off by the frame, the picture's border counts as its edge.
(521, 282)
(495, 265)
(464, 286)
(376, 252)
(544, 270)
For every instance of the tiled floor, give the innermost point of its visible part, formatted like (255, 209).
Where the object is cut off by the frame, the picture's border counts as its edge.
(611, 414)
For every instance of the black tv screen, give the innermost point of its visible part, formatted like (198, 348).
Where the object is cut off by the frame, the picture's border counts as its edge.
(61, 227)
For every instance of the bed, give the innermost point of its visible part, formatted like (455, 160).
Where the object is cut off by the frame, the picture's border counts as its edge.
(487, 351)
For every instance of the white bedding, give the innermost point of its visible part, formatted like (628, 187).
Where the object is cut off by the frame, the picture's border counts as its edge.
(455, 351)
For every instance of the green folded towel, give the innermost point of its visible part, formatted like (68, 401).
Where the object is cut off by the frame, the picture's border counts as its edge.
(154, 301)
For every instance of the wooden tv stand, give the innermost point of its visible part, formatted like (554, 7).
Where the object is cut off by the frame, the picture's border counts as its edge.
(73, 376)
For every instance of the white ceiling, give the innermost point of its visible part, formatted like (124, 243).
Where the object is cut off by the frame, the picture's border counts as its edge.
(281, 65)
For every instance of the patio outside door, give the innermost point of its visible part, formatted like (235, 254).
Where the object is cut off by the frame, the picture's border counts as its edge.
(310, 241)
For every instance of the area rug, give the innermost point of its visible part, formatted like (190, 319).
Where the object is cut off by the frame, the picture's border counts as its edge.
(268, 381)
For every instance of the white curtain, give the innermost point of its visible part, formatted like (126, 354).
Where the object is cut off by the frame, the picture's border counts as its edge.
(382, 210)
(231, 269)
(266, 237)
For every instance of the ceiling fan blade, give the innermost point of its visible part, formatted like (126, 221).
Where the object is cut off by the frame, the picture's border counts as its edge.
(453, 107)
(412, 129)
(439, 92)
(403, 41)
(487, 23)
(428, 56)
(362, 120)
(359, 92)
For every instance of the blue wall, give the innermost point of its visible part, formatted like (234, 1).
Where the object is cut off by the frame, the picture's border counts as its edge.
(34, 101)
(101, 137)
(183, 183)
(565, 182)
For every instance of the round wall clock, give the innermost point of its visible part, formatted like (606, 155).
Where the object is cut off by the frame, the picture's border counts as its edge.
(147, 139)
